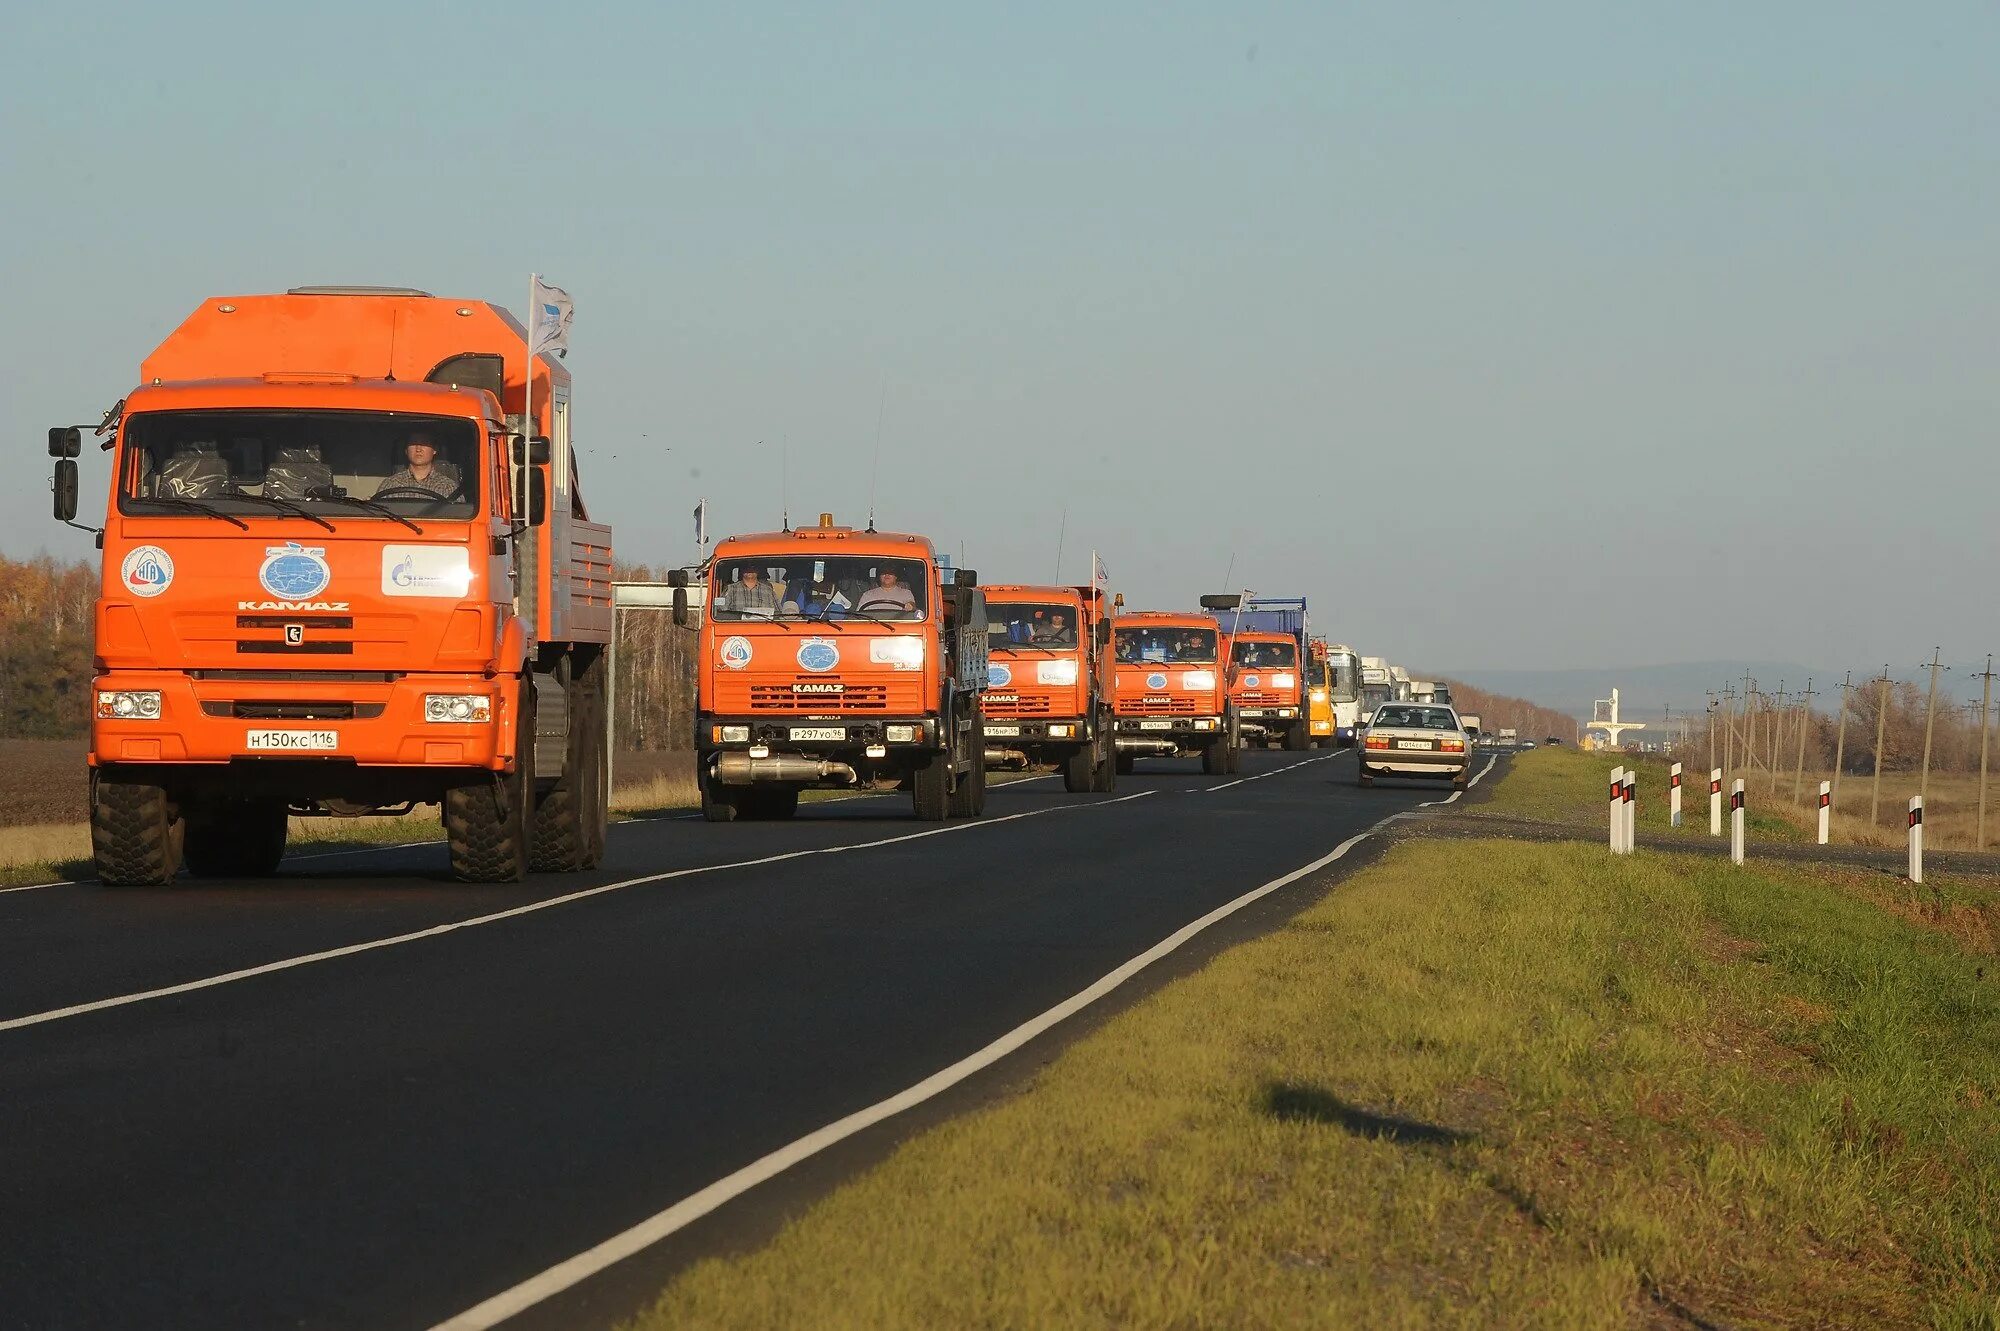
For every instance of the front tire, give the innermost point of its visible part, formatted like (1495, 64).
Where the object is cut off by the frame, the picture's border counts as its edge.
(487, 823)
(1297, 737)
(930, 787)
(136, 834)
(717, 805)
(1122, 763)
(1079, 770)
(968, 797)
(569, 823)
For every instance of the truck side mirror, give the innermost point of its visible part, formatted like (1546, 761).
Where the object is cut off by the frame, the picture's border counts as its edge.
(680, 600)
(64, 486)
(677, 577)
(1103, 634)
(964, 577)
(65, 441)
(534, 505)
(531, 452)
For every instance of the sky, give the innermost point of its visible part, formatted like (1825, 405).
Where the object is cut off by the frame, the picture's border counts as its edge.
(1535, 336)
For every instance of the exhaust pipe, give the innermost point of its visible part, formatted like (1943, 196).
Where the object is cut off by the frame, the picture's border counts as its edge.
(740, 769)
(1007, 757)
(1255, 729)
(1152, 746)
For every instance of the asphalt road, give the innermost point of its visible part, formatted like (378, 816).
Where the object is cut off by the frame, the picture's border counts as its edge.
(390, 1119)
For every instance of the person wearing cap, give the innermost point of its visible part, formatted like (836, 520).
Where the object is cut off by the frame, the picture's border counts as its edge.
(423, 470)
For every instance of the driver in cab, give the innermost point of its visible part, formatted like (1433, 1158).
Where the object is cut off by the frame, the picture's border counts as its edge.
(422, 470)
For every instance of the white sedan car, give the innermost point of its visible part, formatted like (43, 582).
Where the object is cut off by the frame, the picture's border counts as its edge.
(1415, 739)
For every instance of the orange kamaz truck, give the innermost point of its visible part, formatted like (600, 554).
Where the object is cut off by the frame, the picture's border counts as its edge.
(1048, 695)
(832, 658)
(344, 574)
(1170, 693)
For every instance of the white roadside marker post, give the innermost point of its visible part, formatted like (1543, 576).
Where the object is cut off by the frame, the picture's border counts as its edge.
(1715, 801)
(1736, 822)
(1916, 838)
(1617, 814)
(1674, 796)
(1825, 810)
(1631, 811)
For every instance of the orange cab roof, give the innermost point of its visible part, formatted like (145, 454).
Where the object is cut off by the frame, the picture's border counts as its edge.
(310, 391)
(1005, 592)
(840, 540)
(1170, 618)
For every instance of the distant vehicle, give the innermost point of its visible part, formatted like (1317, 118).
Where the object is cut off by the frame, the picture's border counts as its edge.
(1422, 740)
(1169, 692)
(1376, 687)
(1048, 682)
(1268, 637)
(1441, 693)
(1527, 744)
(1508, 734)
(1470, 721)
(1552, 740)
(1334, 677)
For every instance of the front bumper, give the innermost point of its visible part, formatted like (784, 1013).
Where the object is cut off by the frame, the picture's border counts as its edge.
(1015, 731)
(372, 723)
(1269, 713)
(857, 734)
(1186, 729)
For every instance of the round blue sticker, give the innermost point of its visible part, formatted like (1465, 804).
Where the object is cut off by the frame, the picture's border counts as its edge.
(1156, 680)
(818, 654)
(293, 572)
(1252, 681)
(999, 676)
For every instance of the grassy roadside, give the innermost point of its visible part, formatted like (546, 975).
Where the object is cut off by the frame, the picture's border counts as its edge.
(1482, 1083)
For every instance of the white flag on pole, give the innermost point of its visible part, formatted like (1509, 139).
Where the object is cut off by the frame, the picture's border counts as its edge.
(701, 524)
(1099, 575)
(549, 314)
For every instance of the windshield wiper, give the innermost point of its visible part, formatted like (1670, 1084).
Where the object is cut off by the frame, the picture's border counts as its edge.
(288, 506)
(1028, 646)
(368, 505)
(191, 506)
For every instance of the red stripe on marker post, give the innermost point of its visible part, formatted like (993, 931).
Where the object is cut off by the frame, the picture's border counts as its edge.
(1825, 800)
(1735, 801)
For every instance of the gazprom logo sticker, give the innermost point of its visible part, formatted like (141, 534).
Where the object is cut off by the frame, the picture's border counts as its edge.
(736, 652)
(818, 654)
(147, 570)
(293, 572)
(1156, 680)
(999, 676)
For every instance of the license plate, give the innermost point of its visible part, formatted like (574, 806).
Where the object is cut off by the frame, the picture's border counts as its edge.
(1414, 744)
(1003, 730)
(292, 741)
(819, 732)
(1156, 725)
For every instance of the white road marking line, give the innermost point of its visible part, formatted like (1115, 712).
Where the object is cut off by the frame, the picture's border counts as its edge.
(1203, 790)
(682, 1213)
(439, 930)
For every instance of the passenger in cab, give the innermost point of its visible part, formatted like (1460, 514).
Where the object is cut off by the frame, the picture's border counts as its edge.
(422, 469)
(750, 595)
(813, 596)
(1053, 632)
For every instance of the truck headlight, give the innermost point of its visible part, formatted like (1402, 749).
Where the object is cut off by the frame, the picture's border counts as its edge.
(732, 734)
(129, 705)
(1055, 672)
(1284, 679)
(1319, 695)
(902, 734)
(458, 708)
(904, 651)
(1205, 723)
(1061, 731)
(1198, 679)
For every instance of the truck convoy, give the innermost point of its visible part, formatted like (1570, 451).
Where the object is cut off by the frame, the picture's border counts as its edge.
(1048, 696)
(830, 657)
(1267, 637)
(1170, 692)
(344, 573)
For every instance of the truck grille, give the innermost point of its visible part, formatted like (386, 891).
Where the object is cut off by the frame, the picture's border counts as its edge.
(853, 698)
(1026, 704)
(1259, 698)
(1170, 705)
(261, 709)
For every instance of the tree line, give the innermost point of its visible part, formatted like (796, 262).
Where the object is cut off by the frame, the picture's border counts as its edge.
(1497, 712)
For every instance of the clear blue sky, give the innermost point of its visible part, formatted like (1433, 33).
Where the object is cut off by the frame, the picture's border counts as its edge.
(1506, 333)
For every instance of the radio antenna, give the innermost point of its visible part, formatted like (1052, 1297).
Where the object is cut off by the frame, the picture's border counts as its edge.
(875, 464)
(1061, 531)
(1231, 569)
(784, 480)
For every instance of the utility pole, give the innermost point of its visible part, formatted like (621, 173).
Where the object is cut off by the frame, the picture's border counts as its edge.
(1711, 730)
(1805, 718)
(1749, 724)
(1985, 703)
(1840, 743)
(1930, 716)
(1777, 738)
(1881, 724)
(1728, 730)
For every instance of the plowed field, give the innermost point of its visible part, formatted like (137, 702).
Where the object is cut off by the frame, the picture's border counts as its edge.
(42, 781)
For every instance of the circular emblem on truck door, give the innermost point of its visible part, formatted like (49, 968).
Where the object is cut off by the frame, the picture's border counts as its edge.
(1156, 680)
(293, 572)
(736, 652)
(999, 676)
(148, 570)
(818, 655)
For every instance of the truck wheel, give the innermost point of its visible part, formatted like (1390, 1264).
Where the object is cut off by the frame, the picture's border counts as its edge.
(568, 827)
(235, 838)
(717, 804)
(486, 823)
(930, 787)
(1079, 770)
(1215, 758)
(136, 835)
(1122, 763)
(1297, 737)
(1104, 772)
(968, 799)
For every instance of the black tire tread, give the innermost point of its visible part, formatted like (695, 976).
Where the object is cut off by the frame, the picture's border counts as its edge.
(135, 838)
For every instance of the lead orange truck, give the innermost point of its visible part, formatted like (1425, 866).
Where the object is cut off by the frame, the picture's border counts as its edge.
(344, 574)
(838, 659)
(1171, 690)
(1048, 697)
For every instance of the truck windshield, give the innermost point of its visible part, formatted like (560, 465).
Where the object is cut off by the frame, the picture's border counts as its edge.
(781, 586)
(1024, 625)
(1165, 644)
(1266, 655)
(267, 462)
